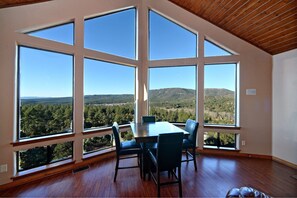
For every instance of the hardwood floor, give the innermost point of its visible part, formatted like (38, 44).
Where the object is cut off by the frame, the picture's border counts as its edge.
(215, 176)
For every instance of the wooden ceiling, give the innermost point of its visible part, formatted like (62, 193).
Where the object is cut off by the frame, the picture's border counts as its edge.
(268, 24)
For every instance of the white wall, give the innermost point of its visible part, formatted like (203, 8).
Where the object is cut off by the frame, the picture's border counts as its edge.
(284, 116)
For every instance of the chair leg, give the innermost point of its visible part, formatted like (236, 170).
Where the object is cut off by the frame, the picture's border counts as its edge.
(158, 183)
(194, 158)
(179, 183)
(187, 156)
(116, 170)
(140, 158)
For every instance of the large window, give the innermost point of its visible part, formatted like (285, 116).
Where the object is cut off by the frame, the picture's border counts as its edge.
(167, 40)
(220, 94)
(108, 94)
(172, 94)
(45, 93)
(114, 33)
(105, 58)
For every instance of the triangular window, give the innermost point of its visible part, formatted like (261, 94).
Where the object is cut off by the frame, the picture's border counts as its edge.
(60, 33)
(168, 40)
(211, 49)
(113, 33)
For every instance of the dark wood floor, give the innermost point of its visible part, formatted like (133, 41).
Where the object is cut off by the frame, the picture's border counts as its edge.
(215, 176)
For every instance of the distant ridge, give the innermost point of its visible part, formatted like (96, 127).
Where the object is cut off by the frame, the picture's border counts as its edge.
(156, 95)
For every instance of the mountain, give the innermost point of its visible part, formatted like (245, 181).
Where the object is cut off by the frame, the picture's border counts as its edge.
(172, 94)
(218, 92)
(156, 95)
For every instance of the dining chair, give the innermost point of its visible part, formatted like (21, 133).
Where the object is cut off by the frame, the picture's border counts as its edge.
(147, 145)
(146, 119)
(189, 144)
(167, 157)
(124, 150)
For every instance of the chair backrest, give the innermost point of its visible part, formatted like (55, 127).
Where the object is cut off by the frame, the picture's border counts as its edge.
(116, 134)
(192, 128)
(146, 119)
(169, 151)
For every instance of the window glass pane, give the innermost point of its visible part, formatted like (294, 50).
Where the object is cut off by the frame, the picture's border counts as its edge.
(40, 156)
(108, 93)
(172, 93)
(220, 94)
(62, 33)
(219, 140)
(167, 40)
(211, 139)
(97, 143)
(211, 49)
(45, 87)
(113, 33)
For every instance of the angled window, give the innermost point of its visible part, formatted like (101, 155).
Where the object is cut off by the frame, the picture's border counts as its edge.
(220, 94)
(60, 33)
(172, 93)
(211, 49)
(168, 40)
(112, 33)
(44, 155)
(108, 94)
(45, 93)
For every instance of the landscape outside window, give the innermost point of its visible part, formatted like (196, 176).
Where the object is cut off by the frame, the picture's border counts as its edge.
(45, 104)
(220, 94)
(172, 93)
(219, 140)
(108, 94)
(40, 156)
(172, 90)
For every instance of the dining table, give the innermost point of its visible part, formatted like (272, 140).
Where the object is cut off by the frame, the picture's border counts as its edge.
(147, 134)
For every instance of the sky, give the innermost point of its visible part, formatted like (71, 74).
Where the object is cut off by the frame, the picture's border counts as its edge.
(50, 74)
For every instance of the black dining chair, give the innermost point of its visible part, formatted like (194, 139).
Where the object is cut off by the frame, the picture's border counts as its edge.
(189, 144)
(124, 150)
(147, 119)
(147, 145)
(167, 157)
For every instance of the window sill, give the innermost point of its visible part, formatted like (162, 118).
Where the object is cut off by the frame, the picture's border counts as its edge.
(40, 169)
(221, 127)
(220, 148)
(42, 139)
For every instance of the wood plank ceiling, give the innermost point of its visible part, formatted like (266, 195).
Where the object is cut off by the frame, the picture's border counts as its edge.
(270, 25)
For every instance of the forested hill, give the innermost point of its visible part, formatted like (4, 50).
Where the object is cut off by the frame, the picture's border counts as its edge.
(169, 94)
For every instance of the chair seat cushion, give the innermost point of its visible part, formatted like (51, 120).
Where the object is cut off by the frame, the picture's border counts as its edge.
(187, 144)
(149, 145)
(129, 144)
(130, 147)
